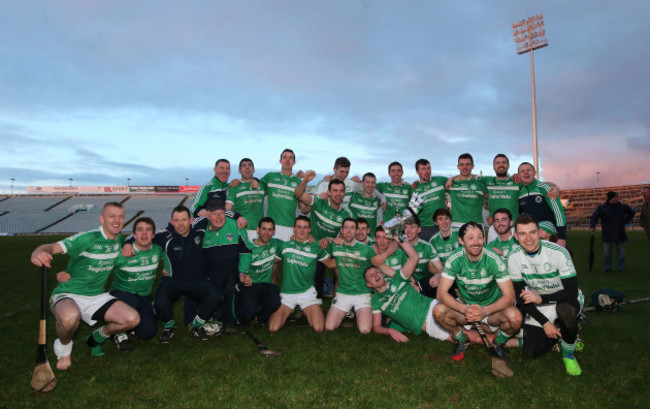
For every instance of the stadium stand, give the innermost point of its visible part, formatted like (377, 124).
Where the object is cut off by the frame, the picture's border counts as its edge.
(157, 207)
(579, 204)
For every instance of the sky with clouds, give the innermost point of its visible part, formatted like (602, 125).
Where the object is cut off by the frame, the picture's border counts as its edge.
(156, 91)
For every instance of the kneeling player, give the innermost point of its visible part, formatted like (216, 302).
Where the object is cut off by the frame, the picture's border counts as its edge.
(547, 291)
(485, 287)
(92, 257)
(299, 258)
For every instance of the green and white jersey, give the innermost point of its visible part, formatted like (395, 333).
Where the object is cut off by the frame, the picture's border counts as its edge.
(444, 246)
(299, 265)
(325, 220)
(281, 203)
(502, 194)
(467, 199)
(506, 246)
(248, 202)
(397, 198)
(402, 303)
(426, 253)
(477, 282)
(137, 274)
(432, 194)
(396, 261)
(350, 187)
(92, 257)
(361, 206)
(352, 262)
(544, 271)
(263, 259)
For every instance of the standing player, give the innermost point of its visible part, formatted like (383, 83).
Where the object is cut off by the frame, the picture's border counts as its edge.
(247, 198)
(352, 258)
(547, 291)
(299, 265)
(431, 191)
(467, 194)
(502, 191)
(279, 188)
(398, 194)
(365, 204)
(258, 293)
(92, 257)
(326, 217)
(534, 200)
(341, 172)
(505, 241)
(484, 285)
(134, 279)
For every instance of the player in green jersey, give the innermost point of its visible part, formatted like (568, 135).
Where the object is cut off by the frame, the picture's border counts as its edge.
(92, 257)
(429, 268)
(446, 240)
(134, 279)
(247, 197)
(485, 287)
(467, 194)
(299, 257)
(363, 231)
(546, 284)
(352, 258)
(398, 194)
(365, 204)
(505, 241)
(432, 193)
(258, 293)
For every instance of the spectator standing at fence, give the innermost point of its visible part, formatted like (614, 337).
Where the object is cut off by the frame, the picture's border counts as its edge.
(613, 216)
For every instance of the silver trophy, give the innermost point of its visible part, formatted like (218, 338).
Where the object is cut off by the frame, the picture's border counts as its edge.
(395, 226)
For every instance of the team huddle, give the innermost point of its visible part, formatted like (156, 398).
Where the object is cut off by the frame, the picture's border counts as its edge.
(438, 274)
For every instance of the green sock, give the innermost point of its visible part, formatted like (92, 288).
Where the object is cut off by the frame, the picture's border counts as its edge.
(460, 337)
(502, 337)
(567, 349)
(198, 322)
(95, 341)
(169, 324)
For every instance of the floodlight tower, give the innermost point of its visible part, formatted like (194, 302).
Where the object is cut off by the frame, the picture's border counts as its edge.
(12, 185)
(530, 34)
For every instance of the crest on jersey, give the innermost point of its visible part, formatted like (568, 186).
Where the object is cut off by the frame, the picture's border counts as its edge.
(116, 246)
(538, 199)
(434, 184)
(339, 219)
(154, 258)
(229, 236)
(393, 261)
(473, 187)
(197, 240)
(294, 184)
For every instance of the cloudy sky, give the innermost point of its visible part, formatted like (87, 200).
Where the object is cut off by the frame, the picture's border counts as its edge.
(156, 91)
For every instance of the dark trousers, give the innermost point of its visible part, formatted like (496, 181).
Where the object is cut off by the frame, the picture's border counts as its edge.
(143, 304)
(261, 299)
(224, 284)
(537, 343)
(199, 289)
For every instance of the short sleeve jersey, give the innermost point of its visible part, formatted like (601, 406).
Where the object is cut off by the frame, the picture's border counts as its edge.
(396, 261)
(325, 220)
(397, 198)
(92, 257)
(402, 303)
(352, 262)
(502, 193)
(467, 198)
(361, 206)
(426, 254)
(444, 246)
(432, 194)
(506, 246)
(248, 202)
(281, 203)
(299, 265)
(262, 261)
(544, 271)
(477, 281)
(137, 274)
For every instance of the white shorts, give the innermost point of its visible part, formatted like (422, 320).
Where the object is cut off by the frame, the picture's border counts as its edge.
(87, 304)
(346, 302)
(283, 233)
(302, 300)
(432, 328)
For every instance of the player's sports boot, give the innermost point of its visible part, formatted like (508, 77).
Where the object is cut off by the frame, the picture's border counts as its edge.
(571, 365)
(501, 352)
(459, 351)
(122, 342)
(167, 335)
(199, 332)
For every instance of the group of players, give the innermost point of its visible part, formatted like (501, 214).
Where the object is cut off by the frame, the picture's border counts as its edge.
(437, 274)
